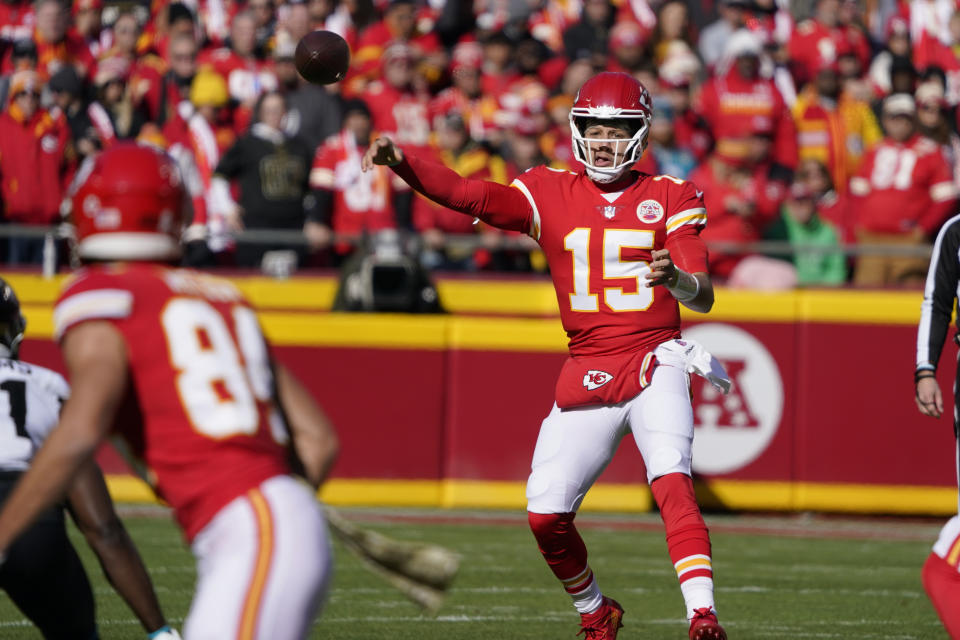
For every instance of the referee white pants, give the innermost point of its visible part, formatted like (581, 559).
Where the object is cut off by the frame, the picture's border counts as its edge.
(574, 446)
(263, 566)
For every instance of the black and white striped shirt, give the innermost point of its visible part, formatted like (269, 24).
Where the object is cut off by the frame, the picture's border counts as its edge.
(940, 293)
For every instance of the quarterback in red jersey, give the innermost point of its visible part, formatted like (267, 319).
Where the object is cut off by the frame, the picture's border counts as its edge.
(176, 360)
(623, 249)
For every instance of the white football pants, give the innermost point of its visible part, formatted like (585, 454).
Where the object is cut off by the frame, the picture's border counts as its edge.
(263, 566)
(575, 445)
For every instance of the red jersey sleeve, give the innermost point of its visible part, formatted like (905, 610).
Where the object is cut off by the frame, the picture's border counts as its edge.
(91, 296)
(324, 162)
(688, 216)
(495, 204)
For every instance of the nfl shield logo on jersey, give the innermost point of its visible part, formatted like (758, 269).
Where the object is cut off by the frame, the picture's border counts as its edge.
(650, 211)
(594, 379)
(609, 212)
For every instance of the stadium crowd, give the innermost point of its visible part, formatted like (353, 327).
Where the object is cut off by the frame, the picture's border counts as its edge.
(821, 124)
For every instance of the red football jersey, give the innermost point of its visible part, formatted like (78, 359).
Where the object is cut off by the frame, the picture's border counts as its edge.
(598, 247)
(207, 423)
(362, 200)
(902, 186)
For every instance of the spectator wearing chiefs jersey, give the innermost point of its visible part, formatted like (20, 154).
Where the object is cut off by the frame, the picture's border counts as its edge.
(55, 45)
(349, 203)
(833, 127)
(271, 171)
(738, 98)
(466, 96)
(399, 25)
(624, 249)
(824, 37)
(941, 571)
(146, 69)
(216, 420)
(400, 109)
(246, 74)
(35, 162)
(903, 192)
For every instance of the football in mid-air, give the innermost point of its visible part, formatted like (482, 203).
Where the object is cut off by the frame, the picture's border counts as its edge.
(322, 57)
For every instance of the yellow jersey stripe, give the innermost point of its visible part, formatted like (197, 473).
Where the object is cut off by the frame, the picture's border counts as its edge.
(251, 606)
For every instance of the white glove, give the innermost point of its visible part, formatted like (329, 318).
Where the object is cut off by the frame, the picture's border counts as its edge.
(690, 356)
(165, 633)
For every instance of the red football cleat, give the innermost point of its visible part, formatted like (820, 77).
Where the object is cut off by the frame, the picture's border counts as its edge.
(603, 623)
(704, 625)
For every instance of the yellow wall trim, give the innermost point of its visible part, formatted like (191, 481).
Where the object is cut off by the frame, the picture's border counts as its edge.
(536, 297)
(727, 494)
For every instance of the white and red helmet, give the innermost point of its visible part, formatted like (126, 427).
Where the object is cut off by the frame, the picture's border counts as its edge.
(616, 97)
(127, 203)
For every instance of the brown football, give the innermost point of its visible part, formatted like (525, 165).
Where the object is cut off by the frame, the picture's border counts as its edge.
(322, 57)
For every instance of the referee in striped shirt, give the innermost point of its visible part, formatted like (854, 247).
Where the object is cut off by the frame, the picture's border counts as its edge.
(941, 572)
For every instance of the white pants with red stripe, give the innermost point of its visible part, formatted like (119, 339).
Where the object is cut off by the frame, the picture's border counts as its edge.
(263, 566)
(574, 446)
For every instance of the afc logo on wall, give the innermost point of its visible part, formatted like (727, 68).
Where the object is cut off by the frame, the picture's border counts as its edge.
(733, 430)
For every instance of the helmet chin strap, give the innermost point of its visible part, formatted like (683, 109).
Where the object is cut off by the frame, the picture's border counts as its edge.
(599, 175)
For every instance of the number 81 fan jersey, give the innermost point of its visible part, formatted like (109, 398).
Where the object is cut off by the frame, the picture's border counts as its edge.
(598, 246)
(202, 413)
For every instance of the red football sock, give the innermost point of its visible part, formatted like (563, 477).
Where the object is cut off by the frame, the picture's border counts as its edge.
(688, 540)
(941, 581)
(562, 548)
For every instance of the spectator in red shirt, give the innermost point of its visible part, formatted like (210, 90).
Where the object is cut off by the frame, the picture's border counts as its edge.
(349, 202)
(903, 192)
(23, 57)
(34, 164)
(738, 98)
(55, 46)
(247, 76)
(466, 96)
(628, 47)
(824, 37)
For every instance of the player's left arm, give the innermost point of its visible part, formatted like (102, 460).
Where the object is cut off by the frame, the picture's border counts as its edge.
(693, 290)
(314, 439)
(681, 265)
(96, 359)
(92, 510)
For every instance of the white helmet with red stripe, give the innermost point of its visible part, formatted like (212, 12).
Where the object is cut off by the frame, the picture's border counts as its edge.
(620, 99)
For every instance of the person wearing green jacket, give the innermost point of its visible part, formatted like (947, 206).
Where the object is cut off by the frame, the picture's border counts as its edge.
(813, 238)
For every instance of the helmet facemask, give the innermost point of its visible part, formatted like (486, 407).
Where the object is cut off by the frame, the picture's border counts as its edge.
(626, 151)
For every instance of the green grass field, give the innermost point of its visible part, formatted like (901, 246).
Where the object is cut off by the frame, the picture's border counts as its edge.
(777, 577)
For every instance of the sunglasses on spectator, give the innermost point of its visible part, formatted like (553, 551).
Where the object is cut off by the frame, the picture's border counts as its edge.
(33, 94)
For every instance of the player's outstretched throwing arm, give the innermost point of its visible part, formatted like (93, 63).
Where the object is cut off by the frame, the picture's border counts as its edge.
(497, 205)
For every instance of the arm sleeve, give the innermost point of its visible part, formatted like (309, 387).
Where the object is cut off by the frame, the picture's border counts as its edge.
(939, 294)
(495, 204)
(231, 162)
